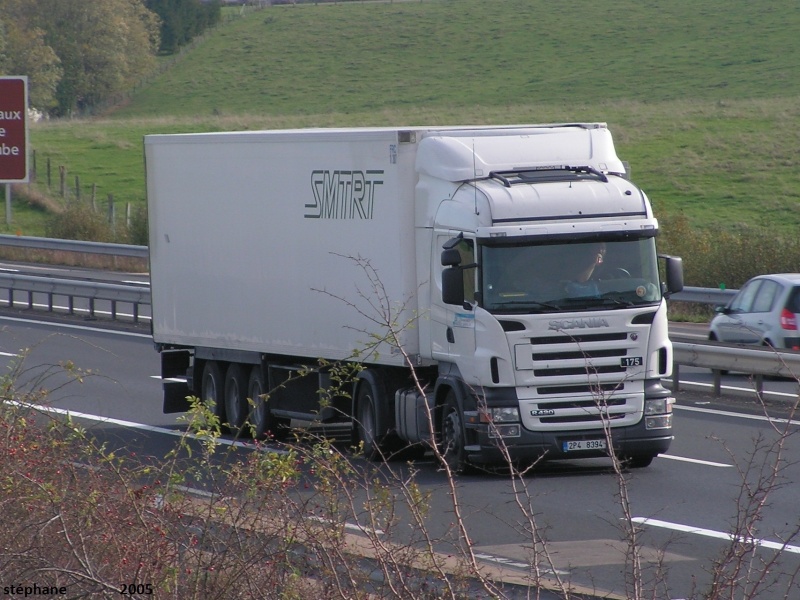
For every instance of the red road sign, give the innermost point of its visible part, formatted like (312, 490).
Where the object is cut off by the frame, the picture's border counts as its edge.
(13, 129)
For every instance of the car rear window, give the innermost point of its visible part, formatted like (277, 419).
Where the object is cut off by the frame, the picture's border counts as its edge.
(793, 304)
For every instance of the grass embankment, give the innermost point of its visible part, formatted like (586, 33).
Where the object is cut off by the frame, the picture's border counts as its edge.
(702, 97)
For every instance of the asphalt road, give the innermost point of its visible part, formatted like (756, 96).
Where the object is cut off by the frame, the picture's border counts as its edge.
(684, 505)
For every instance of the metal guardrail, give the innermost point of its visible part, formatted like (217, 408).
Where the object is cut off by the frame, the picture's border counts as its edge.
(39, 243)
(717, 357)
(759, 361)
(704, 295)
(70, 289)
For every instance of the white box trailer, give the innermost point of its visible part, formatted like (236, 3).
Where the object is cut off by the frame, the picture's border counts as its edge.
(278, 253)
(253, 235)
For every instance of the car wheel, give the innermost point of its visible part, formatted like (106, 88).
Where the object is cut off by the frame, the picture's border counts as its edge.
(712, 337)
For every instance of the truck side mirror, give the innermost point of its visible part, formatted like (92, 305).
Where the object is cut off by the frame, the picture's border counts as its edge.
(452, 285)
(451, 257)
(674, 271)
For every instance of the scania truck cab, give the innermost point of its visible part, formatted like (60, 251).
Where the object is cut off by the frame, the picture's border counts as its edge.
(549, 314)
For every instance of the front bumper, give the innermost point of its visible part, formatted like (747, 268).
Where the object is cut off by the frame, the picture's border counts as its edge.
(634, 440)
(533, 445)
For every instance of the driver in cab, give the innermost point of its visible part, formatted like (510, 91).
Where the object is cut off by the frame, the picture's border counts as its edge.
(579, 266)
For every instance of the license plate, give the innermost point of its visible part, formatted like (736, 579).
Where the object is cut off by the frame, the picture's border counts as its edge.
(632, 361)
(584, 445)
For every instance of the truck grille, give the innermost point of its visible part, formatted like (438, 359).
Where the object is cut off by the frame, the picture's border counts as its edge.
(579, 338)
(579, 381)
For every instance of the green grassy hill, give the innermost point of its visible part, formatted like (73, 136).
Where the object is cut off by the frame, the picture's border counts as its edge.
(703, 96)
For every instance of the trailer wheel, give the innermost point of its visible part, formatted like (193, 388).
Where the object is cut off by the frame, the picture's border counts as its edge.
(212, 390)
(367, 422)
(259, 413)
(453, 436)
(236, 407)
(262, 421)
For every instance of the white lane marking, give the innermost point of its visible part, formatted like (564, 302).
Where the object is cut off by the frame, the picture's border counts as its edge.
(697, 461)
(347, 525)
(727, 413)
(720, 535)
(8, 354)
(79, 327)
(508, 562)
(133, 425)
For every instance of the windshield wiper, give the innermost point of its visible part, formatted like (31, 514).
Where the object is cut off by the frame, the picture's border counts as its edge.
(617, 301)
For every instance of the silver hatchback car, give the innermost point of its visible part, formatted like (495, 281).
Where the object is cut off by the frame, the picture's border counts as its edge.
(764, 312)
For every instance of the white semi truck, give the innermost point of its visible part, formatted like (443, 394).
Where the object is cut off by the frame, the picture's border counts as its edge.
(515, 267)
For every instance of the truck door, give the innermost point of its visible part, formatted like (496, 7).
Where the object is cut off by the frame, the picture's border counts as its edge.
(453, 327)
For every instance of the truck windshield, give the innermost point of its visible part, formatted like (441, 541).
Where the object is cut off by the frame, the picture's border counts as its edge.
(562, 277)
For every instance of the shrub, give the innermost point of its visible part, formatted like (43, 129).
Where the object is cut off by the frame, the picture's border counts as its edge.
(80, 222)
(137, 230)
(714, 257)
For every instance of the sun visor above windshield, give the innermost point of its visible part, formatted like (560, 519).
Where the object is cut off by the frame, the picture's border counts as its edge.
(565, 201)
(462, 155)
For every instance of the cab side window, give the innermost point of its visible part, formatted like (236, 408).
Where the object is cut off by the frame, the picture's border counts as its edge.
(466, 248)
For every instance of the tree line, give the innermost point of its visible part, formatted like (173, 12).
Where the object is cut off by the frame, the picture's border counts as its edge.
(78, 53)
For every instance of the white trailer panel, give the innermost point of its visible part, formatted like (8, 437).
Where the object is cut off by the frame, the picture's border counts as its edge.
(255, 237)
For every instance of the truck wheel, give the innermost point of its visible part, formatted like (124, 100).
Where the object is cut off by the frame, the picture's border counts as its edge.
(236, 407)
(452, 436)
(211, 389)
(367, 422)
(262, 421)
(259, 412)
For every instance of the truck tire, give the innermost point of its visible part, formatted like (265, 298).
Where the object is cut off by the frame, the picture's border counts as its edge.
(367, 422)
(212, 391)
(256, 390)
(452, 436)
(262, 421)
(236, 406)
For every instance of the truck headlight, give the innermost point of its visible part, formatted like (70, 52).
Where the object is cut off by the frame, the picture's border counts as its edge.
(658, 413)
(658, 406)
(509, 414)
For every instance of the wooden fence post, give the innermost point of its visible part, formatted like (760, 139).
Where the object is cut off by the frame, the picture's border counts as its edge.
(111, 212)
